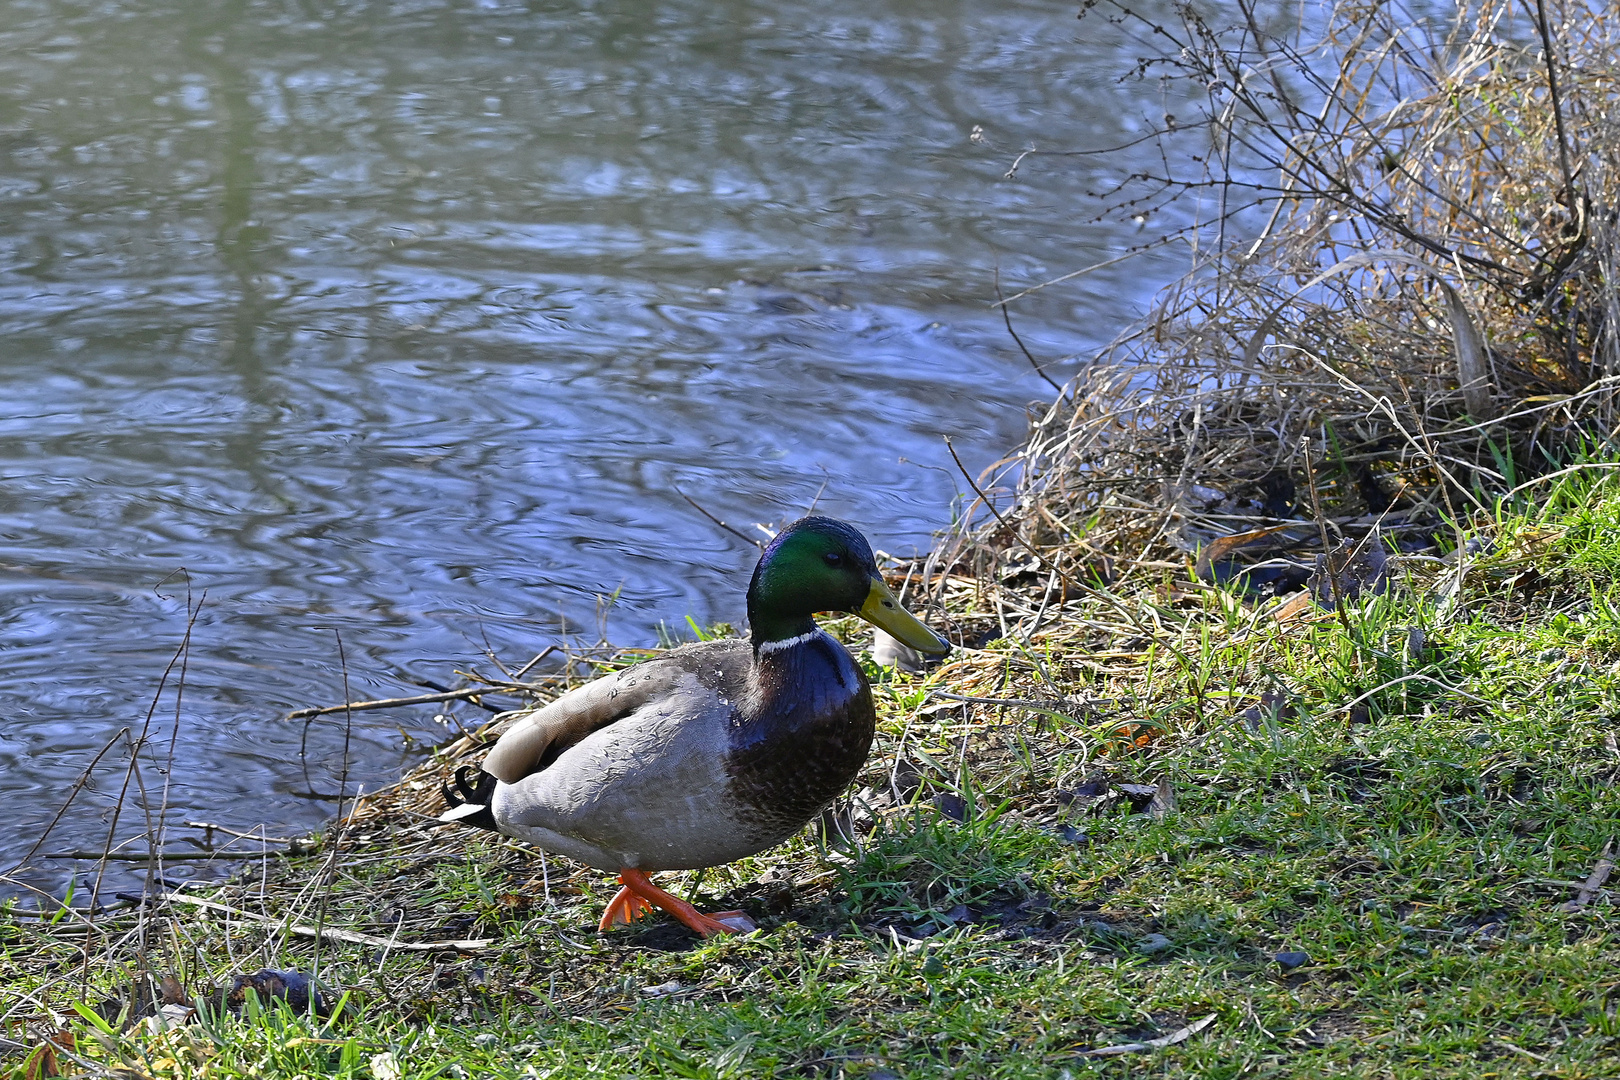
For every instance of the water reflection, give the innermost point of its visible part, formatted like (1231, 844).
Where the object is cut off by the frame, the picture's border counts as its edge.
(405, 320)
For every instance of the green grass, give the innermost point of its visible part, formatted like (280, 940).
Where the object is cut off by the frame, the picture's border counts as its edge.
(1419, 849)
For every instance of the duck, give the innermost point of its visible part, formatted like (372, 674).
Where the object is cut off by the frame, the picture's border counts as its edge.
(710, 752)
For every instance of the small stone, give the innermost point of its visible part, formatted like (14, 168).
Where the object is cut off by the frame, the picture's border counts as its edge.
(1416, 642)
(663, 989)
(485, 1040)
(1153, 943)
(1288, 961)
(1071, 835)
(292, 986)
(174, 1015)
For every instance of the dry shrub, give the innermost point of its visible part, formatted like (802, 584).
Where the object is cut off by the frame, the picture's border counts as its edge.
(1403, 289)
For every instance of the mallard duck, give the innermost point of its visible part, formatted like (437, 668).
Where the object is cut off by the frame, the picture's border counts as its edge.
(712, 751)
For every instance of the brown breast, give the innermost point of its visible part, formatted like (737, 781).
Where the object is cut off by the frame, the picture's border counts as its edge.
(802, 735)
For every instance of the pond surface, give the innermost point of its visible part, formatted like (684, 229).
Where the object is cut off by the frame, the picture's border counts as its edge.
(406, 321)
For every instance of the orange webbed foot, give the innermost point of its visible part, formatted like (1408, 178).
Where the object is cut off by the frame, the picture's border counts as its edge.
(721, 922)
(625, 908)
(640, 895)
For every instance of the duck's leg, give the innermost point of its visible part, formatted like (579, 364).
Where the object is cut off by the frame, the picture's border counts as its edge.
(640, 895)
(625, 907)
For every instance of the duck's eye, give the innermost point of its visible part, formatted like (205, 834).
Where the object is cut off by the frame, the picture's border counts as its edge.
(833, 558)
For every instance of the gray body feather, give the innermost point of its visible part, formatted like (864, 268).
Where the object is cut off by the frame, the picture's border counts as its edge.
(634, 769)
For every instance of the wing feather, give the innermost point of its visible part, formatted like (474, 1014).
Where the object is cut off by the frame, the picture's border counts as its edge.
(536, 739)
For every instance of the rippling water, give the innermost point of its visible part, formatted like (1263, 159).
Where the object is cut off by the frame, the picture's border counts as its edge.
(405, 320)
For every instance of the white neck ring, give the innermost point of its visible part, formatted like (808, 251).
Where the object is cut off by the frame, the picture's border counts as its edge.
(767, 647)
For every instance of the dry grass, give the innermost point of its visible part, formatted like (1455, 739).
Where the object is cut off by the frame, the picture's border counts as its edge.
(1414, 308)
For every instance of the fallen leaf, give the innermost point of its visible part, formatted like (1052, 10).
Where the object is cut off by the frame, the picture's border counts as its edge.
(1592, 887)
(1071, 835)
(1273, 576)
(1091, 789)
(1472, 372)
(1222, 546)
(1164, 799)
(1016, 564)
(41, 1063)
(1416, 642)
(1141, 796)
(1177, 1036)
(1292, 609)
(889, 651)
(835, 828)
(168, 1016)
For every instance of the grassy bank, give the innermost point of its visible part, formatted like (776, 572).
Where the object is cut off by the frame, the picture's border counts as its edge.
(1410, 793)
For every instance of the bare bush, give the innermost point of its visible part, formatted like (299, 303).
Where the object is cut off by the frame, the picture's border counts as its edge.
(1402, 293)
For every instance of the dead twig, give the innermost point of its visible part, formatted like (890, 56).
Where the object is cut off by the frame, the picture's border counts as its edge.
(1006, 317)
(1557, 100)
(210, 827)
(326, 933)
(744, 537)
(1593, 886)
(153, 856)
(472, 693)
(73, 793)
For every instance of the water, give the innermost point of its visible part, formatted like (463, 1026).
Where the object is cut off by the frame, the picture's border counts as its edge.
(405, 321)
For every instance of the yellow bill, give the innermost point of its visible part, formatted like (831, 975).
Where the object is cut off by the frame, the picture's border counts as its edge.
(883, 611)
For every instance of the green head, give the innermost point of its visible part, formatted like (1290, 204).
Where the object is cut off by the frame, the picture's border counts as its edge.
(818, 564)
